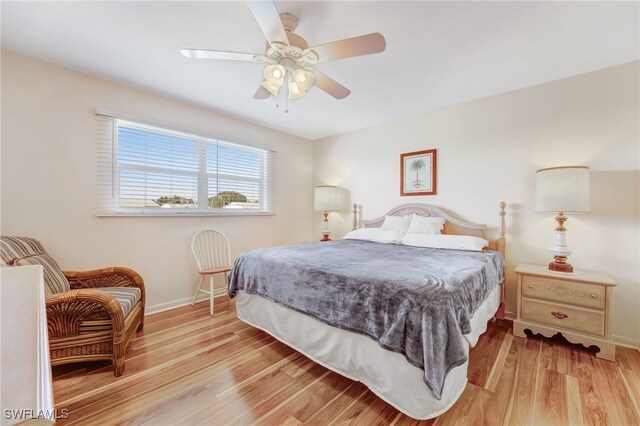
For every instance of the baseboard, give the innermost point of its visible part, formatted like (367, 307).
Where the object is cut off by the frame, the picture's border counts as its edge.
(627, 342)
(161, 307)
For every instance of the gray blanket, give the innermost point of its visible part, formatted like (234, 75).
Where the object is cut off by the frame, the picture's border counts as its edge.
(411, 300)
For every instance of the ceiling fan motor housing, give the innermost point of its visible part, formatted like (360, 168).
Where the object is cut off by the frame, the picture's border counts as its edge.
(289, 22)
(298, 48)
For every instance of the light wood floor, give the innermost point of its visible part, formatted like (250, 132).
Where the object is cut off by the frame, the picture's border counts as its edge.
(189, 369)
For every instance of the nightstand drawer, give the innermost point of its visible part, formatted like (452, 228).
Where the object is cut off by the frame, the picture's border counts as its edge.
(577, 319)
(572, 293)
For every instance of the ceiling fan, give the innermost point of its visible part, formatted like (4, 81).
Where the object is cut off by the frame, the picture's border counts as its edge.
(288, 56)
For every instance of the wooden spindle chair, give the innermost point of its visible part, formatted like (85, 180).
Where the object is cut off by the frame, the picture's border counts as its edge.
(211, 251)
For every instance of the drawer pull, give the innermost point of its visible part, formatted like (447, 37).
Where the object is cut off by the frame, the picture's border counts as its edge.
(559, 315)
(530, 286)
(594, 296)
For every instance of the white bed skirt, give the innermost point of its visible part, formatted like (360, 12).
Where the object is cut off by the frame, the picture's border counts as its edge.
(358, 357)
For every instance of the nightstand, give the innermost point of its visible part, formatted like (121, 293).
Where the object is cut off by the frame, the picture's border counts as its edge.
(578, 305)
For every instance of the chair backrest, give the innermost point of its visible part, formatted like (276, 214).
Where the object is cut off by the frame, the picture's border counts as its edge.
(21, 251)
(211, 250)
(13, 249)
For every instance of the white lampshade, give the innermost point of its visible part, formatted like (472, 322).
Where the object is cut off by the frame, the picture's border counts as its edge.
(563, 189)
(300, 81)
(274, 78)
(304, 78)
(325, 198)
(294, 91)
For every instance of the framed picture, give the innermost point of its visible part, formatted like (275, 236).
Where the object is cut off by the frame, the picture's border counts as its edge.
(418, 172)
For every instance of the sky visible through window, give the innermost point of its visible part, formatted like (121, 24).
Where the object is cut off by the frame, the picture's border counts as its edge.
(158, 169)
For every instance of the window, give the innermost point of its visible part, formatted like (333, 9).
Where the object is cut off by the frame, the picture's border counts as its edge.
(149, 170)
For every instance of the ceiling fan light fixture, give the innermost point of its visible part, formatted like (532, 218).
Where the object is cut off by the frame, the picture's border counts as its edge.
(294, 90)
(274, 74)
(273, 89)
(304, 78)
(300, 81)
(274, 78)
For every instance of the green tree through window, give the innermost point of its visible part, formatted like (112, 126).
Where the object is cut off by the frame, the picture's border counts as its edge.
(176, 199)
(226, 197)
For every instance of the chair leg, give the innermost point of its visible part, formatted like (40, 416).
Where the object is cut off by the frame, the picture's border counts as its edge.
(118, 354)
(141, 325)
(211, 294)
(195, 296)
(118, 368)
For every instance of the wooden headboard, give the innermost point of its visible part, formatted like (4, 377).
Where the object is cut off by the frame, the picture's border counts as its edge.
(452, 226)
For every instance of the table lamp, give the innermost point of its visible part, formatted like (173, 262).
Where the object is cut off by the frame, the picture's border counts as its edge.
(562, 190)
(325, 198)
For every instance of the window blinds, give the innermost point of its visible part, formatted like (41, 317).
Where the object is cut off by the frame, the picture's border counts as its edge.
(145, 169)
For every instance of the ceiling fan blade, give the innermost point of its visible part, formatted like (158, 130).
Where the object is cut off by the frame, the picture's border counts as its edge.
(218, 54)
(269, 21)
(349, 47)
(261, 93)
(329, 85)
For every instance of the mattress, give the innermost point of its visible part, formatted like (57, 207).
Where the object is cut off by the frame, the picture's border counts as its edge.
(412, 300)
(358, 357)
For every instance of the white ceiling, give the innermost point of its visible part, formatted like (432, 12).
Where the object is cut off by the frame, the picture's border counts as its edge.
(438, 53)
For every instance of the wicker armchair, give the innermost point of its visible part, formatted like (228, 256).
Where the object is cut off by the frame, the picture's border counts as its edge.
(91, 315)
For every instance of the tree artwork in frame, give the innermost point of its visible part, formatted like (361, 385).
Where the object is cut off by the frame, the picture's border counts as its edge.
(418, 172)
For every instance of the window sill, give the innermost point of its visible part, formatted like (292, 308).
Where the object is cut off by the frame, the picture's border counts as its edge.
(199, 214)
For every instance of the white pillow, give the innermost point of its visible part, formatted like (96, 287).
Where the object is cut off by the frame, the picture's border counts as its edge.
(396, 223)
(455, 242)
(376, 235)
(426, 225)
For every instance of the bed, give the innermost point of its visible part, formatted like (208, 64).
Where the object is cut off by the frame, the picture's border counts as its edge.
(412, 348)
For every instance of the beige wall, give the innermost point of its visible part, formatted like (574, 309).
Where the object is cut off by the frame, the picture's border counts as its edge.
(47, 170)
(490, 149)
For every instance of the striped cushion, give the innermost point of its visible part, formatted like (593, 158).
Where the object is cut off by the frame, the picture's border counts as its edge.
(54, 280)
(14, 248)
(127, 296)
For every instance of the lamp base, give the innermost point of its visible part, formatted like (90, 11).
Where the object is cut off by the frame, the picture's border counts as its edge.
(560, 251)
(560, 264)
(325, 236)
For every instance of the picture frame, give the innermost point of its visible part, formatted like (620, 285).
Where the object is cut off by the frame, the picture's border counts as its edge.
(418, 172)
